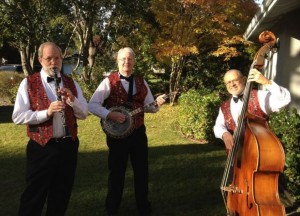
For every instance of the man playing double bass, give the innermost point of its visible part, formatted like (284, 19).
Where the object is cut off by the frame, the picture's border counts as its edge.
(261, 102)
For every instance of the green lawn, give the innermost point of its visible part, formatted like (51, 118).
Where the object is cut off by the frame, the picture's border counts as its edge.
(184, 175)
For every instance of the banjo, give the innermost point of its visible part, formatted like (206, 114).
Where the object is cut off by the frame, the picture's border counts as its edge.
(122, 130)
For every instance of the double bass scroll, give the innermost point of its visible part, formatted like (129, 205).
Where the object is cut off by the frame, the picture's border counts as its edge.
(250, 181)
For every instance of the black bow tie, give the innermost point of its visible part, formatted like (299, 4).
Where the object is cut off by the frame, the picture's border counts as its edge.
(128, 79)
(50, 79)
(236, 99)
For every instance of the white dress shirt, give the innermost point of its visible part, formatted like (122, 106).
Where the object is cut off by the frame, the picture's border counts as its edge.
(22, 113)
(102, 92)
(272, 99)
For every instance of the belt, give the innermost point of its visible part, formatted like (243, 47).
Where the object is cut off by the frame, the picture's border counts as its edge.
(60, 139)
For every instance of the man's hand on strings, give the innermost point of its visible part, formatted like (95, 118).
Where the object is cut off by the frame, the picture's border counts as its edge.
(160, 100)
(117, 117)
(228, 140)
(256, 76)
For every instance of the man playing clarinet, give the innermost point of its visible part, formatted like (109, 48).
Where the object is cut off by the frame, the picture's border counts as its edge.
(49, 103)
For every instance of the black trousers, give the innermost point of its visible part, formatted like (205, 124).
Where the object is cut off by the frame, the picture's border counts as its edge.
(134, 147)
(49, 176)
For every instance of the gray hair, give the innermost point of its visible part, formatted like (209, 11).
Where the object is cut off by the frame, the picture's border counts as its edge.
(128, 49)
(234, 71)
(43, 45)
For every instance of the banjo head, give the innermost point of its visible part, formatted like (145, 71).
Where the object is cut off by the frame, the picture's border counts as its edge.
(118, 130)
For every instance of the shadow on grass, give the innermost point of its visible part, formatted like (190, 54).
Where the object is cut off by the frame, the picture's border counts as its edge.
(12, 183)
(6, 113)
(184, 180)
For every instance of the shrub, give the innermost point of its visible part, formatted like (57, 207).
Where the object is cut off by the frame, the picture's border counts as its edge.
(9, 84)
(197, 113)
(286, 125)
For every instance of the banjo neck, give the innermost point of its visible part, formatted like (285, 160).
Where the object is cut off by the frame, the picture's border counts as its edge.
(141, 109)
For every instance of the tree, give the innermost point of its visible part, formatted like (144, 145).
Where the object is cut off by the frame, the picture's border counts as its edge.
(195, 27)
(26, 25)
(88, 28)
(176, 39)
(105, 26)
(134, 25)
(85, 19)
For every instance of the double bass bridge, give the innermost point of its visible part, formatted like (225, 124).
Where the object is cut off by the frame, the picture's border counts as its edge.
(232, 189)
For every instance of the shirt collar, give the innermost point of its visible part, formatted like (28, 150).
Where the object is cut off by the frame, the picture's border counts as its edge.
(44, 75)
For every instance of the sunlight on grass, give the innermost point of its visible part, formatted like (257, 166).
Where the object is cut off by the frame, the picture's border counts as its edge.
(161, 130)
(162, 127)
(92, 138)
(184, 175)
(13, 139)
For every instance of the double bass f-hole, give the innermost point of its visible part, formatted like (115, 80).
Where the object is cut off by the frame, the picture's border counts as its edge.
(249, 204)
(59, 98)
(250, 181)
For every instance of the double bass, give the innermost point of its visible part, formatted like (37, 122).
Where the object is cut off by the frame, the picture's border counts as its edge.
(250, 181)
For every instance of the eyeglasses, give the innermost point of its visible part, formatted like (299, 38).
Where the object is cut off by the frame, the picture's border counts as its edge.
(125, 59)
(234, 81)
(52, 59)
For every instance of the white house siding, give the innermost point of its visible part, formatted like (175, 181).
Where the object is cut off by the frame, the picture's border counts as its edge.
(288, 63)
(282, 18)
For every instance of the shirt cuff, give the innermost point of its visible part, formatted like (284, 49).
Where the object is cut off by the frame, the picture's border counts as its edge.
(105, 114)
(42, 116)
(219, 133)
(269, 84)
(272, 87)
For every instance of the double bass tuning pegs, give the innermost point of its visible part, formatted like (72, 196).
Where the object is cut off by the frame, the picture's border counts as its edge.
(276, 46)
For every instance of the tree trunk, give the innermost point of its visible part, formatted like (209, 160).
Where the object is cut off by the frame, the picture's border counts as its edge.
(27, 58)
(25, 64)
(176, 71)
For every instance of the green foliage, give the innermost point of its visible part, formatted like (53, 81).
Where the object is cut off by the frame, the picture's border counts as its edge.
(193, 28)
(236, 52)
(88, 88)
(286, 125)
(204, 72)
(9, 84)
(197, 114)
(207, 69)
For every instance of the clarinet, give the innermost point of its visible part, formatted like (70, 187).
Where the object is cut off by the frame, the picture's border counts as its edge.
(59, 98)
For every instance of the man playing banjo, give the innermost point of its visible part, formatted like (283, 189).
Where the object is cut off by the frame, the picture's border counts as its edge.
(125, 91)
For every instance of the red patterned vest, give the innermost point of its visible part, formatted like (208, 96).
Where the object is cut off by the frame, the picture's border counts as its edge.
(118, 96)
(38, 99)
(253, 108)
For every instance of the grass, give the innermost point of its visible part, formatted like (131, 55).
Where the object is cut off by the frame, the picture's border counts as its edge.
(184, 175)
